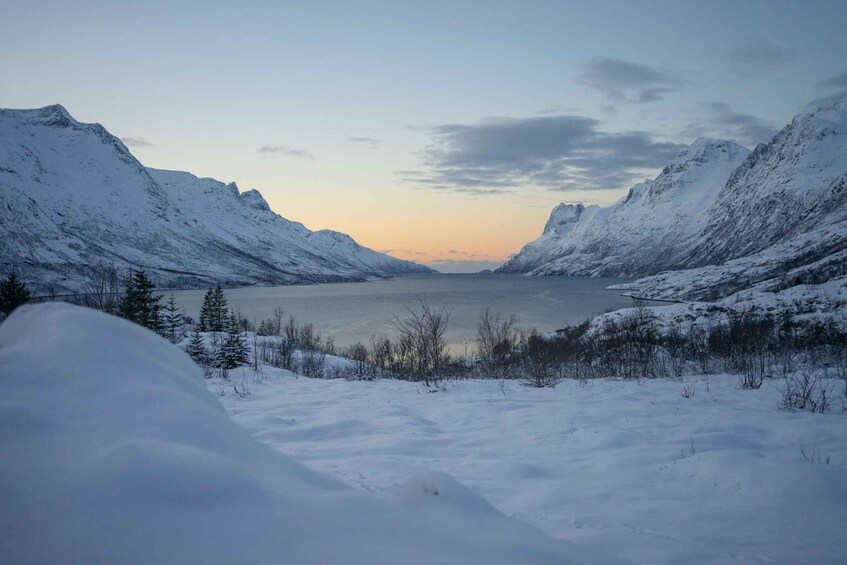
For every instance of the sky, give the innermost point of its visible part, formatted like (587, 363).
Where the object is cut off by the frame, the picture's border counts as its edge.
(440, 132)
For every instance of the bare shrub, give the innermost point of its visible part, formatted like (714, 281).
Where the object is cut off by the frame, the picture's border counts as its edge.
(381, 355)
(753, 376)
(277, 352)
(360, 368)
(423, 342)
(308, 338)
(496, 338)
(242, 390)
(272, 326)
(312, 364)
(814, 456)
(805, 390)
(102, 288)
(689, 391)
(539, 366)
(698, 348)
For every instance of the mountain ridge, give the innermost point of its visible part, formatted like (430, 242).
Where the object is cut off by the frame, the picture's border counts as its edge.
(774, 231)
(72, 195)
(641, 233)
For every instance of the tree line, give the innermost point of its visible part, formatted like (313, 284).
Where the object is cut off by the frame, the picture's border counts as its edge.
(634, 345)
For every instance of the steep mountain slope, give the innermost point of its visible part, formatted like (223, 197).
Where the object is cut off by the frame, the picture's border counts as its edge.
(775, 232)
(794, 184)
(72, 195)
(651, 229)
(780, 221)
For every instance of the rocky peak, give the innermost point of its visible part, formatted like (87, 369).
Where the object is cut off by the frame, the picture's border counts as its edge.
(254, 199)
(562, 215)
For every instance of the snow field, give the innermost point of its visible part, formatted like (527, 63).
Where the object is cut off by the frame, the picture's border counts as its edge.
(114, 451)
(635, 470)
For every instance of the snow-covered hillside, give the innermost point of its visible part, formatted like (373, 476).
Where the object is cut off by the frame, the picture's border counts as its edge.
(788, 187)
(651, 229)
(763, 224)
(114, 451)
(72, 195)
(780, 221)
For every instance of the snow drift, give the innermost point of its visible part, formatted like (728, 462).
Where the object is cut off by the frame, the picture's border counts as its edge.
(115, 452)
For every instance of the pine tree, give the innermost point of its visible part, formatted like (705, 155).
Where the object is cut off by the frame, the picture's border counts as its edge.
(171, 320)
(128, 303)
(196, 349)
(220, 312)
(234, 351)
(13, 293)
(213, 313)
(206, 311)
(138, 303)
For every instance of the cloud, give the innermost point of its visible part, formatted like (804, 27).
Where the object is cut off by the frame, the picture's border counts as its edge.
(401, 252)
(365, 140)
(558, 110)
(623, 81)
(762, 55)
(136, 142)
(499, 155)
(286, 151)
(724, 121)
(838, 81)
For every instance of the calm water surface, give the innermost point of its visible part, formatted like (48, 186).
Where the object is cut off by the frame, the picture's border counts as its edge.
(351, 312)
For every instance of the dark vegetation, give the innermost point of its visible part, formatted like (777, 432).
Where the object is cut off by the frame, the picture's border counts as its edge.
(13, 293)
(803, 359)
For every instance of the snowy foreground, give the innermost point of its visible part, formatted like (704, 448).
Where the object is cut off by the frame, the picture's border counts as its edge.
(116, 451)
(637, 471)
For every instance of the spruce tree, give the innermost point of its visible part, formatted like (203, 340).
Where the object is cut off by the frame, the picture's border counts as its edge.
(206, 311)
(138, 303)
(171, 320)
(128, 302)
(13, 293)
(213, 313)
(220, 312)
(234, 350)
(196, 349)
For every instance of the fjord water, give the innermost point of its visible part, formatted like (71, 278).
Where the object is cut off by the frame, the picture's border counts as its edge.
(351, 312)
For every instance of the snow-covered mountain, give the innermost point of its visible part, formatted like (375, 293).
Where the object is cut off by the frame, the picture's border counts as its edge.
(720, 224)
(653, 228)
(780, 222)
(72, 195)
(788, 187)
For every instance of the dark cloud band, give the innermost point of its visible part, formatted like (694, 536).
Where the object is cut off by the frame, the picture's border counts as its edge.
(553, 152)
(624, 81)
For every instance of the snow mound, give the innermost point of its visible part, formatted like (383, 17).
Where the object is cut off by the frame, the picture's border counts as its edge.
(114, 451)
(440, 490)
